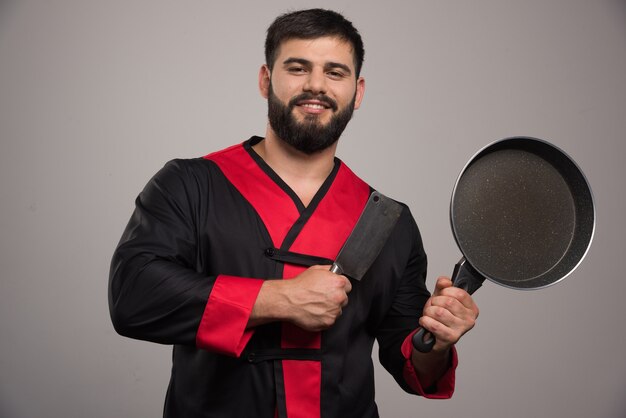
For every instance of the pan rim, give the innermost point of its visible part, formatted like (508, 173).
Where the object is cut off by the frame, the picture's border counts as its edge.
(588, 189)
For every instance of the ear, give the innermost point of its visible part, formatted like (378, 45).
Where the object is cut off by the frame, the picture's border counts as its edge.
(264, 81)
(360, 91)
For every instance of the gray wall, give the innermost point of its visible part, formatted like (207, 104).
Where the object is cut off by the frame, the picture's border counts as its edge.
(95, 96)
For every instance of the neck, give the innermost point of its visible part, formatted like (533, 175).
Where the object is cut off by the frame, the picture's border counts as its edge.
(303, 173)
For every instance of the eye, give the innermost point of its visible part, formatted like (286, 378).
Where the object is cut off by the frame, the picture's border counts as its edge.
(335, 74)
(296, 70)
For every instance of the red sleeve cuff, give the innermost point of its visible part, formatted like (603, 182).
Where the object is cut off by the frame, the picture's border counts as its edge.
(443, 388)
(223, 325)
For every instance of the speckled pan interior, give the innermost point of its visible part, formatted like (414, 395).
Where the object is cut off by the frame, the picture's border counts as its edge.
(522, 213)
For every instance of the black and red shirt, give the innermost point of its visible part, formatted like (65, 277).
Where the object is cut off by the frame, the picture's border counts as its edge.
(205, 234)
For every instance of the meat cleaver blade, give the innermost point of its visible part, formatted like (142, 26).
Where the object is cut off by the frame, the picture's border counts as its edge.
(368, 237)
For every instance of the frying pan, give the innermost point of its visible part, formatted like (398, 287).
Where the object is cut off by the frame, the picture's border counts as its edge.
(523, 216)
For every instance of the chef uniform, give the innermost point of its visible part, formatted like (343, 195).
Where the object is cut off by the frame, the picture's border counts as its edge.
(205, 234)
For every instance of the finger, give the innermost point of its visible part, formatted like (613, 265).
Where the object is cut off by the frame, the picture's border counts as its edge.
(441, 321)
(462, 296)
(443, 334)
(451, 313)
(442, 283)
(445, 286)
(348, 285)
(456, 308)
(448, 303)
(443, 315)
(321, 267)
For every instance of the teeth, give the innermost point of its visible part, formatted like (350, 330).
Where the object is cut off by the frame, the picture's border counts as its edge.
(313, 106)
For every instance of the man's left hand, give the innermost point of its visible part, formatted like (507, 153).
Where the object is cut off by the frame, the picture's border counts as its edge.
(448, 314)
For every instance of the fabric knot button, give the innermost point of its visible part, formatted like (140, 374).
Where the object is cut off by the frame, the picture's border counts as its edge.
(270, 252)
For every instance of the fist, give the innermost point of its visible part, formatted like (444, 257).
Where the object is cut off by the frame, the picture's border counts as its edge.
(316, 298)
(448, 314)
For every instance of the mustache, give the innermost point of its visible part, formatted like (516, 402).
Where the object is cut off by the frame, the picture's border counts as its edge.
(308, 96)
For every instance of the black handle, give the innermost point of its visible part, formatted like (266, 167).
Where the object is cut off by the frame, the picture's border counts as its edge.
(423, 345)
(464, 277)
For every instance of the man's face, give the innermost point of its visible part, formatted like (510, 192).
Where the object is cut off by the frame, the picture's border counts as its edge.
(312, 92)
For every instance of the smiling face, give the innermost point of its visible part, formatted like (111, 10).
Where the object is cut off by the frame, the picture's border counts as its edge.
(312, 91)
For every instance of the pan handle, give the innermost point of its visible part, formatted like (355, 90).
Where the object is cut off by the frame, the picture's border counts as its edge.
(423, 341)
(464, 277)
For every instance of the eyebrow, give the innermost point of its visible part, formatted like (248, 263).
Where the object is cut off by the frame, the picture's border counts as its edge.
(327, 66)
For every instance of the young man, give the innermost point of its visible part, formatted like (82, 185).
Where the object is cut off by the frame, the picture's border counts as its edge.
(200, 263)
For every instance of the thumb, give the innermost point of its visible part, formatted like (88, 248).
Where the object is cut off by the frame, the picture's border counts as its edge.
(443, 282)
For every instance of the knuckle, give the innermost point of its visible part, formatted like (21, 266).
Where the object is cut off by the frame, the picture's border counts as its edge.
(440, 311)
(422, 321)
(471, 323)
(338, 298)
(448, 303)
(435, 327)
(338, 281)
(325, 324)
(455, 293)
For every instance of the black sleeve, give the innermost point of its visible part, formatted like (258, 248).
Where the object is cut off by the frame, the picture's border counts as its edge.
(410, 296)
(155, 291)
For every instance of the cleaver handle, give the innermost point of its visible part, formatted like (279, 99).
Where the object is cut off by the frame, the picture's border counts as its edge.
(336, 269)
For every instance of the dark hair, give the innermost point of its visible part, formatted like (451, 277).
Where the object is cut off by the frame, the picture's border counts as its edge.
(311, 24)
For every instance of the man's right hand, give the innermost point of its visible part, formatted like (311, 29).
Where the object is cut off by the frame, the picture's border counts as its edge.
(313, 300)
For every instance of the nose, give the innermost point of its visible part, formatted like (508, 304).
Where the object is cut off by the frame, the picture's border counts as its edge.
(316, 82)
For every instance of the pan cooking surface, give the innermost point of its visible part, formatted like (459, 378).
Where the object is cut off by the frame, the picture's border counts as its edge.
(514, 215)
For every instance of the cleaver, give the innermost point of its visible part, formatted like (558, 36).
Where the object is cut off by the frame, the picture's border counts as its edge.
(368, 237)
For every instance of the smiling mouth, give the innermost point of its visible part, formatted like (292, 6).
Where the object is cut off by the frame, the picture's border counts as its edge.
(312, 103)
(314, 106)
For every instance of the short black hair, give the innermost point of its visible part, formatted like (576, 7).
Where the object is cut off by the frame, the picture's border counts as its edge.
(311, 24)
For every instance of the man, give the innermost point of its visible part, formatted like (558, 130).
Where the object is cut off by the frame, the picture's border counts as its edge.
(200, 263)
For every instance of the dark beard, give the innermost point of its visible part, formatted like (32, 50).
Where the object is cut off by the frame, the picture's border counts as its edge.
(308, 136)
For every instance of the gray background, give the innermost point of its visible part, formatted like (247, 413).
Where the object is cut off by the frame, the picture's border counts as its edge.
(95, 96)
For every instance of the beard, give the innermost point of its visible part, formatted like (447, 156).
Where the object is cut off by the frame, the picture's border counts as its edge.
(309, 136)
